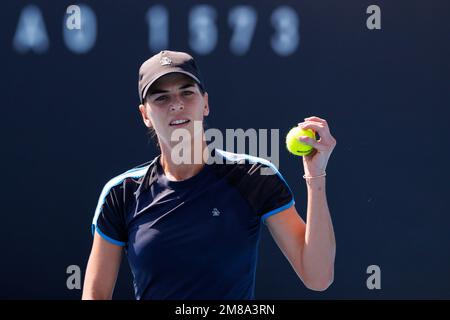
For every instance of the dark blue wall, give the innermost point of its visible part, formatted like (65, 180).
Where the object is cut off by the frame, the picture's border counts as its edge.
(69, 122)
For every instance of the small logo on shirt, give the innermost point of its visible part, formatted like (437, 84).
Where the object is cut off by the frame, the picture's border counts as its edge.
(215, 212)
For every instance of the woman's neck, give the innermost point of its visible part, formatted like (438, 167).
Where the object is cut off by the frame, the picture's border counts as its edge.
(176, 171)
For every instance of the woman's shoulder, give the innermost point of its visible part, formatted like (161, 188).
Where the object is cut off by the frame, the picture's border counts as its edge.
(133, 175)
(244, 162)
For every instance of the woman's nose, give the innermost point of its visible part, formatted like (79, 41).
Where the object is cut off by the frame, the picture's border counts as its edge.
(177, 105)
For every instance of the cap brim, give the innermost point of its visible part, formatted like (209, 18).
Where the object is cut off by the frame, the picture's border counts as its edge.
(148, 85)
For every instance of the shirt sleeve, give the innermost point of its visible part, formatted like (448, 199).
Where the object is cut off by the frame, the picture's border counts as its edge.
(275, 194)
(109, 220)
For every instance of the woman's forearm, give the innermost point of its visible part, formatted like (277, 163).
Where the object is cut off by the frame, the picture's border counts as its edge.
(320, 246)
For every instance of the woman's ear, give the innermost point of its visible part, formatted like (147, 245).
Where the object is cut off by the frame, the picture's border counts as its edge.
(206, 107)
(145, 118)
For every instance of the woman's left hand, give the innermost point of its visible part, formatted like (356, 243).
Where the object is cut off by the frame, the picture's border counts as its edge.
(316, 162)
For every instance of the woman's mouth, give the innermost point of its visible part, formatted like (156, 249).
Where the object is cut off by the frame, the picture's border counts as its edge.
(178, 123)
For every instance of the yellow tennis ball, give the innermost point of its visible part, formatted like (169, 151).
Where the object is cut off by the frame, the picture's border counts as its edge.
(295, 146)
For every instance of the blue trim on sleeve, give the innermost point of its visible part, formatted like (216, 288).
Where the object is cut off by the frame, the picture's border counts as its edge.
(275, 211)
(135, 173)
(104, 236)
(233, 157)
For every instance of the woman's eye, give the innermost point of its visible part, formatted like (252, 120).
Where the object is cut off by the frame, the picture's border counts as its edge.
(161, 98)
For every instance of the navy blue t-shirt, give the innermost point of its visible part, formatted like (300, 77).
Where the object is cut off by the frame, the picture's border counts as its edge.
(197, 238)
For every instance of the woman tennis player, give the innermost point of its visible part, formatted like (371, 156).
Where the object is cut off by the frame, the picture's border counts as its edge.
(191, 230)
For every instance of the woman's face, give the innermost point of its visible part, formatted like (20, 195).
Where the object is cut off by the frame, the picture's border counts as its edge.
(174, 101)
